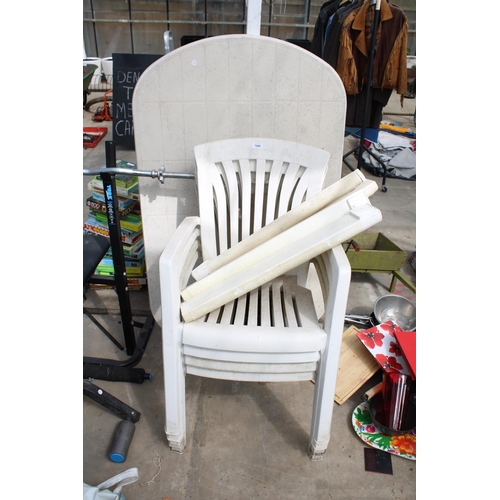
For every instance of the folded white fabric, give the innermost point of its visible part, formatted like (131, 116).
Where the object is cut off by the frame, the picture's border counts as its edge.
(388, 140)
(406, 158)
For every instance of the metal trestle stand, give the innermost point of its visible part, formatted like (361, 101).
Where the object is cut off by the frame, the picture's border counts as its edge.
(112, 369)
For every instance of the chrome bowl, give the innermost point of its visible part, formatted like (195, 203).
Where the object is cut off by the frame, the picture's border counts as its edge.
(397, 309)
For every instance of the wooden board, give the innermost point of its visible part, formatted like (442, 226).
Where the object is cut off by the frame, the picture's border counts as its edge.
(356, 366)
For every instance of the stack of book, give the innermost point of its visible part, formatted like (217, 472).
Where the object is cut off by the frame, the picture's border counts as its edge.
(127, 190)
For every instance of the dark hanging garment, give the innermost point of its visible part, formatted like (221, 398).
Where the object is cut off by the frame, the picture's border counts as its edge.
(331, 47)
(376, 104)
(325, 12)
(342, 38)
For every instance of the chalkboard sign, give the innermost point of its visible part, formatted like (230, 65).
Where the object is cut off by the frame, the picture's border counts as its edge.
(127, 68)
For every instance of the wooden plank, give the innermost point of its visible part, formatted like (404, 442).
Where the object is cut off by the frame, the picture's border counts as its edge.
(396, 275)
(384, 243)
(367, 240)
(356, 366)
(375, 260)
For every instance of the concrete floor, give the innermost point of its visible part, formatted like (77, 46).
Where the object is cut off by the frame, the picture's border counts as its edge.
(245, 440)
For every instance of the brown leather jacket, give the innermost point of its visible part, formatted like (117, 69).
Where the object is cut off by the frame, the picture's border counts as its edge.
(389, 65)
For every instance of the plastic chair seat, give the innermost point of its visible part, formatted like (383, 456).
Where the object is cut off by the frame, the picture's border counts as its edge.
(266, 335)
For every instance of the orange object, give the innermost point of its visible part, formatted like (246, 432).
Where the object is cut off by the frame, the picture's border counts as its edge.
(103, 113)
(394, 128)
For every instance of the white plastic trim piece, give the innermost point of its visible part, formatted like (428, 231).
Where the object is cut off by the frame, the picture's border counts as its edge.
(303, 211)
(254, 9)
(279, 255)
(280, 237)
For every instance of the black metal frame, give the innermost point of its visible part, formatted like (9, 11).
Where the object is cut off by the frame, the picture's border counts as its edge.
(103, 330)
(108, 401)
(135, 347)
(118, 408)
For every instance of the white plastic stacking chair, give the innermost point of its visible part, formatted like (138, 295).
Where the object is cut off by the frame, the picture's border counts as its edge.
(271, 334)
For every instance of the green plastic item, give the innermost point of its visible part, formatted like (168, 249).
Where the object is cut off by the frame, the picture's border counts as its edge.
(377, 254)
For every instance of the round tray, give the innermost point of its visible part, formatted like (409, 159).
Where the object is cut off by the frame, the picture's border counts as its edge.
(404, 445)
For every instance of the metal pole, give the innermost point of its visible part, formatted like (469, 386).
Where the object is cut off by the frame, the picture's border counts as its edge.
(369, 83)
(222, 23)
(115, 237)
(270, 17)
(131, 28)
(254, 12)
(155, 174)
(206, 18)
(94, 28)
(308, 14)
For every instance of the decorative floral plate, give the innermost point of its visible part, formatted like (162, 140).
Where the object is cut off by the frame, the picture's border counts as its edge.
(404, 445)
